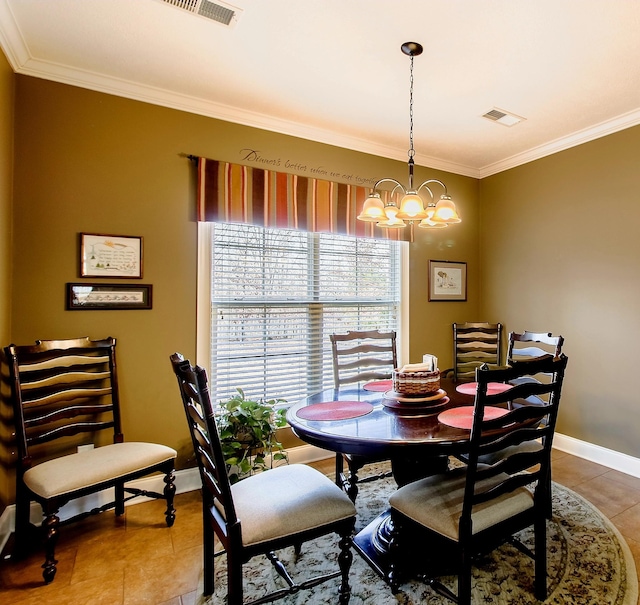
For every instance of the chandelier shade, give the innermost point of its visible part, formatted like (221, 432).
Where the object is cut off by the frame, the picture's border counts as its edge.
(412, 207)
(428, 223)
(372, 209)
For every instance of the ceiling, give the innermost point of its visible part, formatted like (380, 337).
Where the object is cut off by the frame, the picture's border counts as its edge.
(332, 70)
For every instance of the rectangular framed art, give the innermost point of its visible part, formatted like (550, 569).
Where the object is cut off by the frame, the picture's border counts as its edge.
(87, 296)
(447, 281)
(110, 255)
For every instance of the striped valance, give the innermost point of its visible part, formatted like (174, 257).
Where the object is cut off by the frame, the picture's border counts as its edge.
(233, 193)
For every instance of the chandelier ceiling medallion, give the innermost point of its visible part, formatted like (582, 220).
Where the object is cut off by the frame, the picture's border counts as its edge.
(412, 209)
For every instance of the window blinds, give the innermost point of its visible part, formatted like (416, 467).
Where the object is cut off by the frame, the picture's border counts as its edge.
(277, 294)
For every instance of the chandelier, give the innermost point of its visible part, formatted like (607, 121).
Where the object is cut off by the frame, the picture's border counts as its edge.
(412, 209)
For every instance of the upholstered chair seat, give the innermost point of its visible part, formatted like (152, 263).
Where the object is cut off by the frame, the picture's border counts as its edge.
(312, 501)
(437, 501)
(74, 472)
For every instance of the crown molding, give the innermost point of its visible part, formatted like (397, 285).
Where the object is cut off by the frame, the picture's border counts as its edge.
(603, 129)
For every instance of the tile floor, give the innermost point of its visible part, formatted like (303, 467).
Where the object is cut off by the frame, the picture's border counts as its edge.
(138, 560)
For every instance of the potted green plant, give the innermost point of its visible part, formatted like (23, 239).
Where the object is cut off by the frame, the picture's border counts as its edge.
(247, 430)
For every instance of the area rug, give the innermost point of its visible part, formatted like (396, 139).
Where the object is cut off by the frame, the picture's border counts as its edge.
(589, 563)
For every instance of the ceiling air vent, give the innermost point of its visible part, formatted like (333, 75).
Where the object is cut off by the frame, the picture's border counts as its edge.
(502, 117)
(216, 11)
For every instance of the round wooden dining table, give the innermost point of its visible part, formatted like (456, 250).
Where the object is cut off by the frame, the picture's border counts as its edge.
(409, 435)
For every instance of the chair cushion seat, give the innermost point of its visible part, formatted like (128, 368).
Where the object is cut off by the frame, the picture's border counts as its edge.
(70, 473)
(312, 500)
(436, 503)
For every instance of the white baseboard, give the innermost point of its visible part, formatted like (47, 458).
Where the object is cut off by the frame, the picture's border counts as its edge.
(189, 479)
(600, 455)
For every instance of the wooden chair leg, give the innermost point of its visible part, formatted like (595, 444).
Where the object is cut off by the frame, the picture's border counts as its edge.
(208, 558)
(540, 583)
(119, 498)
(352, 488)
(464, 579)
(169, 494)
(350, 484)
(50, 524)
(345, 558)
(23, 523)
(234, 580)
(339, 470)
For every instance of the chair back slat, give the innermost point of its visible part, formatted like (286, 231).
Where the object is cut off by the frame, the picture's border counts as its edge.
(68, 430)
(63, 389)
(361, 355)
(61, 395)
(69, 378)
(518, 466)
(65, 361)
(216, 487)
(65, 413)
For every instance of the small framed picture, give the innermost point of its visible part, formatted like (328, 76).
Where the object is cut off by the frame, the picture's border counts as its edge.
(447, 281)
(85, 297)
(110, 255)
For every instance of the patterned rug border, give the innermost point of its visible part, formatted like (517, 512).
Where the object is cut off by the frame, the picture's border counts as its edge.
(631, 592)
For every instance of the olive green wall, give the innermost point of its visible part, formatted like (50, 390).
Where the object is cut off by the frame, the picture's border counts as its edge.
(430, 322)
(91, 162)
(560, 246)
(541, 253)
(7, 80)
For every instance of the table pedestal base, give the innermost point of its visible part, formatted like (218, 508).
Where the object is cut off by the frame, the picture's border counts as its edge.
(372, 543)
(423, 557)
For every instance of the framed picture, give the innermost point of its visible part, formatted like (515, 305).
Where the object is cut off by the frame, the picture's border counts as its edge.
(110, 255)
(447, 280)
(85, 297)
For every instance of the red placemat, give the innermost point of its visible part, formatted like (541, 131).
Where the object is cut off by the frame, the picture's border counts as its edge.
(493, 388)
(334, 410)
(462, 417)
(379, 385)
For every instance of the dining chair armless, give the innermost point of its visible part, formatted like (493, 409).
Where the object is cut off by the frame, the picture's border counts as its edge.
(481, 506)
(475, 343)
(65, 395)
(530, 345)
(361, 356)
(280, 507)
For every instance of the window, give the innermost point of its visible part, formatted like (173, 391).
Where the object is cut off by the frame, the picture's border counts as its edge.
(275, 295)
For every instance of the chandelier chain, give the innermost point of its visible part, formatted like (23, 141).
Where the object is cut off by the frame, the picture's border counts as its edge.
(411, 149)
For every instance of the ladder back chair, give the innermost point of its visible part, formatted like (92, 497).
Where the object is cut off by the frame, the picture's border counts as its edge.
(533, 344)
(65, 395)
(525, 347)
(281, 507)
(475, 343)
(473, 510)
(360, 356)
